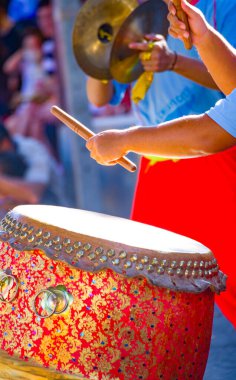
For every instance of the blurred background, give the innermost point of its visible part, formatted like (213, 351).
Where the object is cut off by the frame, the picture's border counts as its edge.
(42, 161)
(38, 70)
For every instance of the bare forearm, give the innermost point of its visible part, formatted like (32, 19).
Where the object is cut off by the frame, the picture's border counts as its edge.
(220, 59)
(194, 136)
(99, 93)
(20, 190)
(194, 70)
(13, 63)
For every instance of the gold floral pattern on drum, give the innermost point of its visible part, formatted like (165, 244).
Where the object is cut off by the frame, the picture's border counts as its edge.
(117, 327)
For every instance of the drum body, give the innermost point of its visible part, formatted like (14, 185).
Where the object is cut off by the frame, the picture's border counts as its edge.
(115, 327)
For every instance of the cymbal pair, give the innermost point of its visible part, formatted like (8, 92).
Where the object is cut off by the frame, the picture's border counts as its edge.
(103, 31)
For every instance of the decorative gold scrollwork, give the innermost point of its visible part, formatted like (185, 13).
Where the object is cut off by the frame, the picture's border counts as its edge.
(8, 287)
(53, 300)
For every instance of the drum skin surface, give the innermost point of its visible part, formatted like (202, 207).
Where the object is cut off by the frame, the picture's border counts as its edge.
(116, 328)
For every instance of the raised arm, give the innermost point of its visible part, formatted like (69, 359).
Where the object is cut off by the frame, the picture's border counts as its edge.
(20, 190)
(12, 64)
(217, 54)
(99, 92)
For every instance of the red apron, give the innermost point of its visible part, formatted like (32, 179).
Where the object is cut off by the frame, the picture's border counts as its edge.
(195, 198)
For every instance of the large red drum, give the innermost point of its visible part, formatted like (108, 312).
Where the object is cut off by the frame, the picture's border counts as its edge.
(103, 297)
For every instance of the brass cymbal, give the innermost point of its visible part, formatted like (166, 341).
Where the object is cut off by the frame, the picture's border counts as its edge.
(150, 17)
(96, 27)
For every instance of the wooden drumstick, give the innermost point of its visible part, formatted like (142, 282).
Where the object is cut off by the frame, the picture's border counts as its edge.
(86, 133)
(183, 17)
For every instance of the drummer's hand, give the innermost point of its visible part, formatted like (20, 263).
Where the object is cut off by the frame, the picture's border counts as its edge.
(161, 57)
(107, 147)
(198, 24)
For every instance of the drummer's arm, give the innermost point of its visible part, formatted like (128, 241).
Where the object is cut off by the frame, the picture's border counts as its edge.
(21, 190)
(99, 92)
(187, 137)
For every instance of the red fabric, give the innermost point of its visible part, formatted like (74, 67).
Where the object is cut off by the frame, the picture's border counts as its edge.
(196, 198)
(116, 328)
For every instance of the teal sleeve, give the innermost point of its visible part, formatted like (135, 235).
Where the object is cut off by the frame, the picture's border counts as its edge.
(224, 113)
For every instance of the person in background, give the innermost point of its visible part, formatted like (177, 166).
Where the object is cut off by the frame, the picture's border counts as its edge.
(46, 25)
(182, 196)
(41, 182)
(44, 17)
(10, 42)
(12, 166)
(39, 83)
(28, 62)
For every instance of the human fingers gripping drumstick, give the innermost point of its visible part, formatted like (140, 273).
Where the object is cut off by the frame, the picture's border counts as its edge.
(86, 133)
(183, 17)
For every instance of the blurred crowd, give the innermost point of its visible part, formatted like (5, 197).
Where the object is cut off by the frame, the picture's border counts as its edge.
(30, 169)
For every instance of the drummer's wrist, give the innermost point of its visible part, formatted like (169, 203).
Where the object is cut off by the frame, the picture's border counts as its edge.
(99, 92)
(173, 57)
(133, 139)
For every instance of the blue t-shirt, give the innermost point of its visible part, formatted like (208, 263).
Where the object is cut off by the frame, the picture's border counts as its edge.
(224, 113)
(171, 95)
